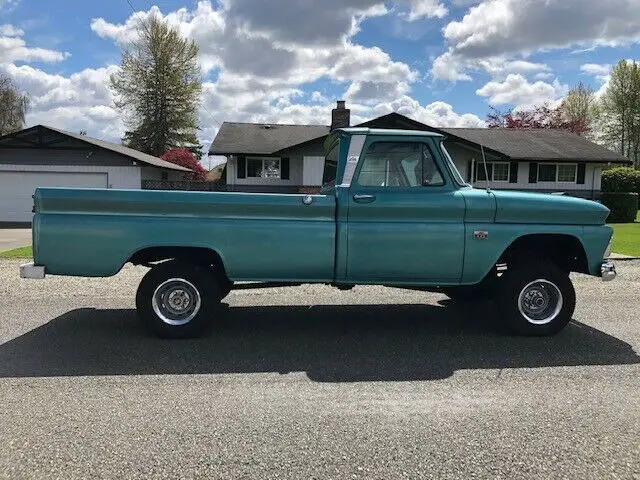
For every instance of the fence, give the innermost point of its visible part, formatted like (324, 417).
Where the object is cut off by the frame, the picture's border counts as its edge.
(204, 186)
(188, 185)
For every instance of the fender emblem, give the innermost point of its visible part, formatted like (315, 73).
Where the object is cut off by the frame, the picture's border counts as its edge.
(480, 235)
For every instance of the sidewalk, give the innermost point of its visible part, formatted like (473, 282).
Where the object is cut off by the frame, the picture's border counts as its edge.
(11, 238)
(619, 256)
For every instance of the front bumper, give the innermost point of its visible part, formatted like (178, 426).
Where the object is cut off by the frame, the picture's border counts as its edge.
(607, 271)
(29, 270)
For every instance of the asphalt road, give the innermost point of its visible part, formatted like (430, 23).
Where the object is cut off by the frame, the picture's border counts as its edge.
(310, 382)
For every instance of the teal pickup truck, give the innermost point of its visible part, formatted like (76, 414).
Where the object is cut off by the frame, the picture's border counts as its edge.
(393, 211)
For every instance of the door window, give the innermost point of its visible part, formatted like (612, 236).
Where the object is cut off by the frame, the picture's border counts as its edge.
(399, 164)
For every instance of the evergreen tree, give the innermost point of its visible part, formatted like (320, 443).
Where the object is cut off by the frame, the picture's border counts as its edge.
(158, 89)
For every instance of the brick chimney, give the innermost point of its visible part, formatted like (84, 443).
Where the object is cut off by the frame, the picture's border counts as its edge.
(340, 116)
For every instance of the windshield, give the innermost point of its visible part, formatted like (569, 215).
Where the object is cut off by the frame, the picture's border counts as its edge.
(452, 167)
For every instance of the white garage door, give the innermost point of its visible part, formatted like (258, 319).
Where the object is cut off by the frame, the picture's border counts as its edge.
(16, 189)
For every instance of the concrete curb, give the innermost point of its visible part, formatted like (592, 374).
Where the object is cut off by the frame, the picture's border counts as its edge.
(622, 258)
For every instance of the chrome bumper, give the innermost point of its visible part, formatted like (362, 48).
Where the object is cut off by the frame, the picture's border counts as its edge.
(608, 271)
(29, 270)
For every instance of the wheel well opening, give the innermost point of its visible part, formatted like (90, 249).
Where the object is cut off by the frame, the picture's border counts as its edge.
(196, 255)
(565, 251)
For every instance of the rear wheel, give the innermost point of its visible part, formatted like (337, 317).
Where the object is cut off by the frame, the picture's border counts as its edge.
(177, 300)
(536, 299)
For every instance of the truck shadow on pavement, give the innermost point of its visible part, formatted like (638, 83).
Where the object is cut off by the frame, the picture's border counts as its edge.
(330, 343)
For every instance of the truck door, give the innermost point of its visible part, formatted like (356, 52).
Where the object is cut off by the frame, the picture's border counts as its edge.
(405, 217)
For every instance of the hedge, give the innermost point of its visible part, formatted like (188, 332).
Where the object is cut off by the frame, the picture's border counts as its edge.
(621, 179)
(623, 206)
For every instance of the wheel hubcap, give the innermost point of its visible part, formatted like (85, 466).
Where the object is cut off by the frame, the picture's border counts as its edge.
(176, 301)
(540, 302)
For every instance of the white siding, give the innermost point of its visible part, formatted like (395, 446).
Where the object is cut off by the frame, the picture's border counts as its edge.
(312, 171)
(592, 180)
(117, 177)
(18, 182)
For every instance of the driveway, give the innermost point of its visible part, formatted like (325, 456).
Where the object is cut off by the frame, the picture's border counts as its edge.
(310, 382)
(11, 238)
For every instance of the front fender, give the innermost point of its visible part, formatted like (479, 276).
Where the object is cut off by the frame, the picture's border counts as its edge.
(482, 254)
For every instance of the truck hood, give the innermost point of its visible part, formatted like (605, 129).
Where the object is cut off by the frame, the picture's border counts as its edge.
(523, 207)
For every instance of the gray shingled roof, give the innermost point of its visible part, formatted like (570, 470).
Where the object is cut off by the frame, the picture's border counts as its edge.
(121, 149)
(534, 144)
(559, 145)
(262, 139)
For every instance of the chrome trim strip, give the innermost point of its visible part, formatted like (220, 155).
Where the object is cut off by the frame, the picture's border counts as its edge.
(34, 272)
(608, 271)
(353, 156)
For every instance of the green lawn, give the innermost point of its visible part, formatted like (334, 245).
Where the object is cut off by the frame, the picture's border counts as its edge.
(22, 252)
(626, 238)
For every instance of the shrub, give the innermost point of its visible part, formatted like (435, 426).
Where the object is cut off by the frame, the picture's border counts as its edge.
(185, 158)
(621, 179)
(623, 206)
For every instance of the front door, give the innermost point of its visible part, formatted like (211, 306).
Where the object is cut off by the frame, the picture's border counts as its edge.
(405, 218)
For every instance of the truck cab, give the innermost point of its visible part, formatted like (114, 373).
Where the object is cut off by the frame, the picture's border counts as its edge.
(393, 211)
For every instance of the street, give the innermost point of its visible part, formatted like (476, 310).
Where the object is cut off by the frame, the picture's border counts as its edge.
(311, 382)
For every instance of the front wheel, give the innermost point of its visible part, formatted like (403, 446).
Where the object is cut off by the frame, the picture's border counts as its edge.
(177, 300)
(536, 300)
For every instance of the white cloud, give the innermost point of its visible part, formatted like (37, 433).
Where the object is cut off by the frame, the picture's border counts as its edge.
(10, 31)
(596, 69)
(508, 26)
(258, 60)
(13, 48)
(516, 90)
(449, 67)
(426, 9)
(81, 101)
(436, 114)
(517, 27)
(453, 67)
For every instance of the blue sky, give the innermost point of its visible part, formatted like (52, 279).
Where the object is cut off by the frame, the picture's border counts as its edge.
(439, 61)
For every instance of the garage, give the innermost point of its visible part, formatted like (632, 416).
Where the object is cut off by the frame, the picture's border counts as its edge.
(44, 156)
(16, 189)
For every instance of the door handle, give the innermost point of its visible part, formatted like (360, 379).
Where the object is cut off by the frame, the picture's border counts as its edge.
(364, 198)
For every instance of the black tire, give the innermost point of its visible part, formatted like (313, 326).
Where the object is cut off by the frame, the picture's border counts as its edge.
(536, 300)
(196, 298)
(225, 286)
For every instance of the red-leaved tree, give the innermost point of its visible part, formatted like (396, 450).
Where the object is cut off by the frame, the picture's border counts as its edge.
(185, 158)
(539, 116)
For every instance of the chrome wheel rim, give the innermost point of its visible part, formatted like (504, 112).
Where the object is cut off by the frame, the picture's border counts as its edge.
(176, 301)
(540, 302)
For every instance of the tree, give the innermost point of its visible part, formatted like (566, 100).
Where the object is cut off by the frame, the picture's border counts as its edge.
(185, 158)
(620, 110)
(158, 89)
(14, 106)
(577, 111)
(542, 116)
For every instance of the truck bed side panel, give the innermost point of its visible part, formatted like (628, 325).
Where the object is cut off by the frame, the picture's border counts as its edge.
(258, 236)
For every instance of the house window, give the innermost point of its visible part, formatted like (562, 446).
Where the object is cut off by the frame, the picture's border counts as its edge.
(547, 172)
(501, 172)
(497, 171)
(560, 173)
(567, 173)
(263, 168)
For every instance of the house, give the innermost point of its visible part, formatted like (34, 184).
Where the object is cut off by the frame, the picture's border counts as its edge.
(44, 156)
(290, 158)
